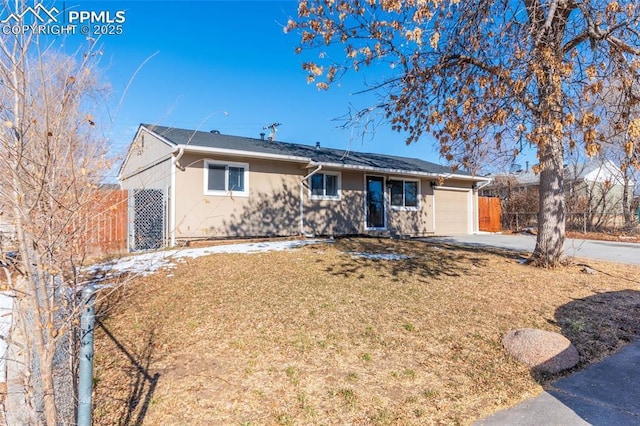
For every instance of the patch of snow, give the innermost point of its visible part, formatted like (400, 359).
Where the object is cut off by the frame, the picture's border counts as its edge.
(380, 256)
(148, 263)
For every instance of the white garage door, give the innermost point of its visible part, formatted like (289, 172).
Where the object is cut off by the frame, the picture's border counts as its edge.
(452, 211)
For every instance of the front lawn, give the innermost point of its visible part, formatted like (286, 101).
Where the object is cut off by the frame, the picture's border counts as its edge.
(357, 331)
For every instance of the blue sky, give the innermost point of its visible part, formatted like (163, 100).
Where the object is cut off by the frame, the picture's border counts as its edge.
(227, 65)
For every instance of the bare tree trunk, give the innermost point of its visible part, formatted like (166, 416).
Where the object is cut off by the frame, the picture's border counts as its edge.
(43, 343)
(19, 408)
(52, 163)
(551, 217)
(549, 134)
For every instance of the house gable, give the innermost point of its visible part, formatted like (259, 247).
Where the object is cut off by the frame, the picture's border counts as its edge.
(607, 172)
(146, 151)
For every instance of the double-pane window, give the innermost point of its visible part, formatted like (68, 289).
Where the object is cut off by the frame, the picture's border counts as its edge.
(404, 193)
(325, 185)
(226, 178)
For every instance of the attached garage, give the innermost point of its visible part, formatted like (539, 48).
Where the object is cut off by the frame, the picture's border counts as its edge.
(453, 211)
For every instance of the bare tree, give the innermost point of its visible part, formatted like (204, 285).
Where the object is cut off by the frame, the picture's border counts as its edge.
(53, 158)
(482, 72)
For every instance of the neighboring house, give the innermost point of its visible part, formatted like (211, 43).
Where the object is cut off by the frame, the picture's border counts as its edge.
(597, 186)
(190, 184)
(601, 185)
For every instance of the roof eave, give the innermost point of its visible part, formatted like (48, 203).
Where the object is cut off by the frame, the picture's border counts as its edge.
(311, 163)
(239, 153)
(401, 171)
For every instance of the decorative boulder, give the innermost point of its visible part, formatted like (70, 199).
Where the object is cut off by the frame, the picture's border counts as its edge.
(543, 351)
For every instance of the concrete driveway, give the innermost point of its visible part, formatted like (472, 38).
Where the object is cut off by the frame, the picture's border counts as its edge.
(604, 394)
(628, 253)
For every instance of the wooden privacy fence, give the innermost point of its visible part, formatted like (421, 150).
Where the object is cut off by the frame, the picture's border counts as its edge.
(489, 214)
(106, 224)
(100, 228)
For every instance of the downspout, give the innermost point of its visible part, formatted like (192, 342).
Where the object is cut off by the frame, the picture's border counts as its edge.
(485, 183)
(172, 195)
(177, 158)
(302, 232)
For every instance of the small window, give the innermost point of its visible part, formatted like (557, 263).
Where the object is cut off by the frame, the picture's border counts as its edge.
(395, 188)
(331, 185)
(223, 179)
(403, 193)
(317, 185)
(236, 179)
(216, 178)
(410, 194)
(325, 186)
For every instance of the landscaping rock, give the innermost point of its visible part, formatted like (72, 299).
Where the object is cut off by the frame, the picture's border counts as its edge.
(544, 351)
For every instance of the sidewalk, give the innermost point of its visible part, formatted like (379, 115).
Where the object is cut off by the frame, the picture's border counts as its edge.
(606, 393)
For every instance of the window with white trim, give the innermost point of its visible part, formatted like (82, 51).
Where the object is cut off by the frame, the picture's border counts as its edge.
(325, 186)
(223, 178)
(403, 194)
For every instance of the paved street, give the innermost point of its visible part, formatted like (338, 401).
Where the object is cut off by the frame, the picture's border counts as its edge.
(589, 249)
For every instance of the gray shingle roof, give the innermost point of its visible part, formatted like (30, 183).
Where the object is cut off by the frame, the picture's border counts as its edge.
(322, 155)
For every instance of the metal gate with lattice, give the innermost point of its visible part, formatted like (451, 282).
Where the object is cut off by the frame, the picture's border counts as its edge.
(147, 219)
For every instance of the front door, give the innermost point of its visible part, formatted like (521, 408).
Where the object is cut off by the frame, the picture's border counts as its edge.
(375, 202)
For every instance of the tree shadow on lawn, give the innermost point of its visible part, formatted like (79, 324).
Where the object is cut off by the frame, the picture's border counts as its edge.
(600, 326)
(510, 254)
(141, 384)
(425, 260)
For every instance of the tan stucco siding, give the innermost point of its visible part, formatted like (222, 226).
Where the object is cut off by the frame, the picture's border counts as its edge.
(271, 207)
(347, 215)
(148, 163)
(411, 222)
(337, 217)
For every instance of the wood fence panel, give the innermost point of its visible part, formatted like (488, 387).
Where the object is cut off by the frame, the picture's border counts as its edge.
(106, 226)
(489, 214)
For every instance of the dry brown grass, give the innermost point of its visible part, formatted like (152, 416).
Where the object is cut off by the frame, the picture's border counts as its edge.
(318, 336)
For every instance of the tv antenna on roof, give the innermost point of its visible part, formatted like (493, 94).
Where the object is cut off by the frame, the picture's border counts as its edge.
(274, 128)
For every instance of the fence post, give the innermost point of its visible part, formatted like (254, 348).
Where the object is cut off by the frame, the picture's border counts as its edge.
(584, 222)
(85, 379)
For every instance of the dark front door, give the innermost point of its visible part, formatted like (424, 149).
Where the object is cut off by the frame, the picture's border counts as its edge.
(375, 202)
